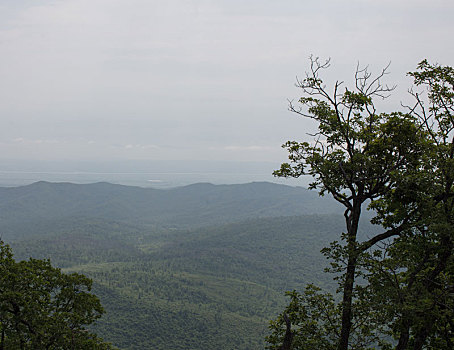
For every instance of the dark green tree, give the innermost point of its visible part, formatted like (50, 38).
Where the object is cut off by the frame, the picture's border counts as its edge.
(43, 308)
(414, 275)
(358, 156)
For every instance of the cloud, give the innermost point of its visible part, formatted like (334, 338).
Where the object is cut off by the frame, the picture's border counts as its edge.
(190, 74)
(141, 147)
(24, 141)
(247, 148)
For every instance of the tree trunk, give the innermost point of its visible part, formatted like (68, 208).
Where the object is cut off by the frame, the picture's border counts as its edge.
(352, 221)
(288, 339)
(404, 336)
(421, 336)
(2, 340)
(347, 304)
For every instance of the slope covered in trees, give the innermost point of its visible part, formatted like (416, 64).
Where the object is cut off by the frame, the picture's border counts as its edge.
(43, 308)
(25, 210)
(193, 286)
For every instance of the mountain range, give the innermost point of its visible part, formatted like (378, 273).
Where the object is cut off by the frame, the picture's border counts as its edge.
(197, 267)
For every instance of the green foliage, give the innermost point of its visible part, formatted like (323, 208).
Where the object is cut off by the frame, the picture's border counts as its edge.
(317, 317)
(42, 308)
(398, 283)
(214, 287)
(415, 278)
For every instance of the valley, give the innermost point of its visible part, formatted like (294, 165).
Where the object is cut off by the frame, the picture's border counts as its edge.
(197, 267)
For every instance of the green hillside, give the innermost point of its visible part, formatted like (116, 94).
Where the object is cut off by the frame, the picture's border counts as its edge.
(184, 290)
(22, 208)
(205, 287)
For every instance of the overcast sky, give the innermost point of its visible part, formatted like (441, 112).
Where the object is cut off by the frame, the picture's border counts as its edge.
(191, 79)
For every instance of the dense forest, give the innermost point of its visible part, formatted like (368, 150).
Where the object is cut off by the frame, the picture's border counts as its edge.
(176, 278)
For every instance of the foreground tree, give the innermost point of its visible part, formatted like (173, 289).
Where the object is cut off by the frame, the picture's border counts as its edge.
(362, 157)
(414, 278)
(42, 308)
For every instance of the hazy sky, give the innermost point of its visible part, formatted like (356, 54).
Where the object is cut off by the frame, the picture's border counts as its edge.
(190, 79)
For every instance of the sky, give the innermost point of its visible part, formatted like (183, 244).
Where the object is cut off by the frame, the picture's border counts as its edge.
(106, 80)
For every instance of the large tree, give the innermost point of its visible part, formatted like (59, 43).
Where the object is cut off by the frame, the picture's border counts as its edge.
(43, 308)
(414, 276)
(360, 157)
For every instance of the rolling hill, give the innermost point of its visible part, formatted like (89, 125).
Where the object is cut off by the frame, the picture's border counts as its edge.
(195, 267)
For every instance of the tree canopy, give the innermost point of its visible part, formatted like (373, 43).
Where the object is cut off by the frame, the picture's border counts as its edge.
(43, 308)
(397, 283)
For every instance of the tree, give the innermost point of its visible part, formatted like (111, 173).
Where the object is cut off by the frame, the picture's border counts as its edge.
(360, 157)
(43, 308)
(414, 277)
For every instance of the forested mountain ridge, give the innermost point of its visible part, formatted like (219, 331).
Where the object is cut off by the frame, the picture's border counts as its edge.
(190, 206)
(196, 267)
